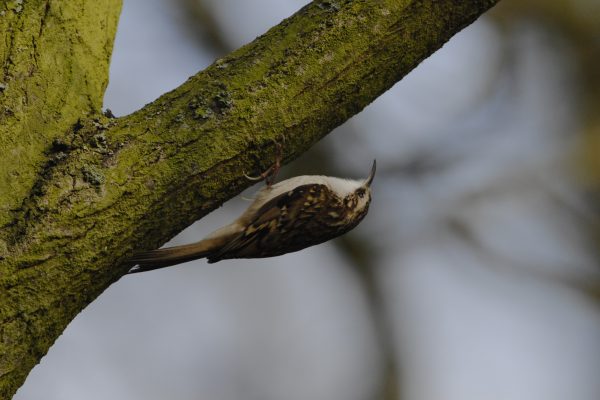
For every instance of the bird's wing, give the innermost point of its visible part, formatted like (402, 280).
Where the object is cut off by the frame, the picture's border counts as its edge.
(281, 225)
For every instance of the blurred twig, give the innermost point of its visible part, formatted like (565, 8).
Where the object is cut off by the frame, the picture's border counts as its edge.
(589, 287)
(202, 24)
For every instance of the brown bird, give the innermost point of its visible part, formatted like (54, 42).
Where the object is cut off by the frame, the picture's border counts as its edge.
(288, 216)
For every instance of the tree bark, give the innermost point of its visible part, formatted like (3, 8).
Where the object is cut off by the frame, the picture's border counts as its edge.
(79, 192)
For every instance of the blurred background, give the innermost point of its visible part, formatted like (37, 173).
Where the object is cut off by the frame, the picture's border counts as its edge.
(475, 275)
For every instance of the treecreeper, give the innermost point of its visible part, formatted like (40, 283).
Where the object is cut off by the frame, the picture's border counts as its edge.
(284, 217)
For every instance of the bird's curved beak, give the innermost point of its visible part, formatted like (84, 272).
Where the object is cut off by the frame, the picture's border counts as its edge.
(372, 174)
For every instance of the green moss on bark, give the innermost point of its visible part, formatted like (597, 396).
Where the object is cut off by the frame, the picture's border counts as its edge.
(55, 56)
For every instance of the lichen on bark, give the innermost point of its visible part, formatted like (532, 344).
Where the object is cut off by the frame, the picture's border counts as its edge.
(82, 191)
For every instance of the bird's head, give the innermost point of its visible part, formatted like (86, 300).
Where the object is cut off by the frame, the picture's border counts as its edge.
(358, 200)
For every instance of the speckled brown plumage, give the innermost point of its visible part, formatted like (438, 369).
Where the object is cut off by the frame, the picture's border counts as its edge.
(305, 216)
(289, 216)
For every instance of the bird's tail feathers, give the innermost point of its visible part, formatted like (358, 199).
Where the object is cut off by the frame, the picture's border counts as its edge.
(160, 258)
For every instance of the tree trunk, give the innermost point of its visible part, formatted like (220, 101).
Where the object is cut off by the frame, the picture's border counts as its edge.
(79, 191)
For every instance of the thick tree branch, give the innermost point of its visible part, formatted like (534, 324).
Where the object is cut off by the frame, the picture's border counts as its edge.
(54, 57)
(111, 186)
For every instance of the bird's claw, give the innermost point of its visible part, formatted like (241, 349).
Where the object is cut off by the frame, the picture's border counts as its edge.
(271, 173)
(253, 178)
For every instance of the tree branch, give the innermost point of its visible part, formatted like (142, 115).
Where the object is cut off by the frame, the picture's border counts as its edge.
(55, 57)
(110, 186)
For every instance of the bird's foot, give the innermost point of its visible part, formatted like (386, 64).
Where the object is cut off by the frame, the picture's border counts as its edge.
(270, 174)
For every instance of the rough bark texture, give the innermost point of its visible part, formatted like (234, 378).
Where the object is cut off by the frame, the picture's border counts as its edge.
(79, 192)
